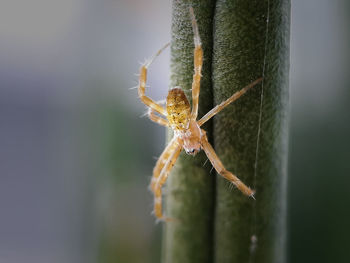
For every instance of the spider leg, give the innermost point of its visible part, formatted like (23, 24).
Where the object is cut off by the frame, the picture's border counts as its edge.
(223, 104)
(157, 119)
(161, 180)
(162, 160)
(142, 85)
(198, 62)
(219, 167)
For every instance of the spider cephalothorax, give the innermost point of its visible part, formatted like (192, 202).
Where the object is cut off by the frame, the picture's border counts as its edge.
(180, 117)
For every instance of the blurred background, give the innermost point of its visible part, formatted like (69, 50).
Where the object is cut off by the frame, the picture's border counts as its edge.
(76, 158)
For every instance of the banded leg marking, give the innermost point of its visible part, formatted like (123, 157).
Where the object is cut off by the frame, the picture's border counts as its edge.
(198, 63)
(164, 157)
(160, 182)
(142, 85)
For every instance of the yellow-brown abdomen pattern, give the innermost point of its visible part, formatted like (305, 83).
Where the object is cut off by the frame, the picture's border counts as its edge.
(178, 109)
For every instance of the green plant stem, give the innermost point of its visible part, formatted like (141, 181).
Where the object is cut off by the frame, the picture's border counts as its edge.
(190, 187)
(219, 225)
(241, 54)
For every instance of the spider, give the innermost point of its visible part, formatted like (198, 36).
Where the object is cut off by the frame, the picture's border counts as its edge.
(183, 120)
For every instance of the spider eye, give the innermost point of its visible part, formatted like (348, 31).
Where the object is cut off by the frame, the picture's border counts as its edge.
(191, 151)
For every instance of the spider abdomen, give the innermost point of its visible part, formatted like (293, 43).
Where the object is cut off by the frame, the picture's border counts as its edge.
(178, 109)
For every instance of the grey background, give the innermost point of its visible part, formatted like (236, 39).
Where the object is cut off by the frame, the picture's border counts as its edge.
(76, 158)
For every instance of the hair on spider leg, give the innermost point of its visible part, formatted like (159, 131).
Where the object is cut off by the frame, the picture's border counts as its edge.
(143, 63)
(205, 162)
(146, 86)
(253, 195)
(136, 82)
(160, 220)
(149, 111)
(161, 102)
(211, 169)
(144, 115)
(231, 186)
